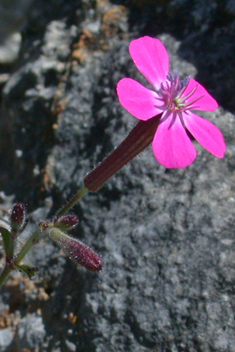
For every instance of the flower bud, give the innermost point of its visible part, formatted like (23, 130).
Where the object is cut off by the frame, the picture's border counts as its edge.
(66, 222)
(17, 219)
(77, 251)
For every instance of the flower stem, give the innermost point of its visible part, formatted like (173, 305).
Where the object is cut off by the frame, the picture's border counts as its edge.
(33, 239)
(72, 202)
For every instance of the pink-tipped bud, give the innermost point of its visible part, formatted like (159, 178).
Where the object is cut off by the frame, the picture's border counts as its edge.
(18, 219)
(66, 222)
(77, 251)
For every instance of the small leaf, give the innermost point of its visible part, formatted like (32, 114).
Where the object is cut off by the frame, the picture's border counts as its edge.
(8, 242)
(28, 270)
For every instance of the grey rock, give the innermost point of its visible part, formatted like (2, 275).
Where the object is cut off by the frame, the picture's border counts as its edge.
(30, 332)
(6, 338)
(12, 17)
(166, 236)
(71, 346)
(9, 50)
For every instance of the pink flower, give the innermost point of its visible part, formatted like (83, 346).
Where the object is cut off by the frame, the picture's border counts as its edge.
(173, 100)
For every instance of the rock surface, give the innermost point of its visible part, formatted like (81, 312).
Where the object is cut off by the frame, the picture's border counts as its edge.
(12, 17)
(166, 236)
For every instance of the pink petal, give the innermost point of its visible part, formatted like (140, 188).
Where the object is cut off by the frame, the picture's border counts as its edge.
(172, 146)
(137, 99)
(206, 133)
(151, 58)
(206, 101)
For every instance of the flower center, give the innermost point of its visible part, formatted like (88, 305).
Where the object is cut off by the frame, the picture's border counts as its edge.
(171, 92)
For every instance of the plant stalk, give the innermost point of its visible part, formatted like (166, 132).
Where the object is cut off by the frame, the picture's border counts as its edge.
(24, 250)
(72, 202)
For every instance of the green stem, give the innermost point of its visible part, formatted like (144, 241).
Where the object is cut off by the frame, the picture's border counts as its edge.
(4, 275)
(72, 202)
(27, 246)
(24, 250)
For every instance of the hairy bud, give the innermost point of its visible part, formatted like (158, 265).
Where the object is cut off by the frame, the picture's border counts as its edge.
(66, 222)
(18, 219)
(77, 251)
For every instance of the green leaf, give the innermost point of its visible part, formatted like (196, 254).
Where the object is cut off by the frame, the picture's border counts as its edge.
(28, 270)
(8, 242)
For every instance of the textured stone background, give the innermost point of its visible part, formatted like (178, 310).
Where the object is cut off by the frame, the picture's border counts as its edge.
(166, 236)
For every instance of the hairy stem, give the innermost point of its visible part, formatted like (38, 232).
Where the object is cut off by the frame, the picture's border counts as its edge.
(72, 202)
